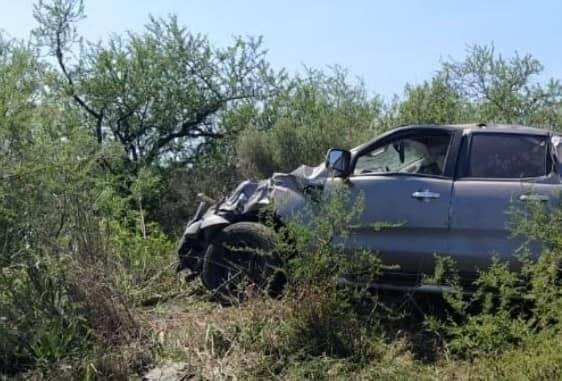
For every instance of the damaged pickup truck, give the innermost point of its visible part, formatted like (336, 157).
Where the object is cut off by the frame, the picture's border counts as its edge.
(447, 188)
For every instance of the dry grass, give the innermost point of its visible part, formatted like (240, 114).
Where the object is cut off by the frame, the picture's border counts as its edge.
(105, 308)
(210, 342)
(211, 338)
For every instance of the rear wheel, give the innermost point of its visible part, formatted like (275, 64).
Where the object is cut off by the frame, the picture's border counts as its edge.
(241, 259)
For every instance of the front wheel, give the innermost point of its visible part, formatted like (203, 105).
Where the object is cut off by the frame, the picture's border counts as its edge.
(241, 258)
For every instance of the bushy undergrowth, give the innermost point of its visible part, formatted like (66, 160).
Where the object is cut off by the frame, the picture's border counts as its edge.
(76, 258)
(70, 308)
(507, 328)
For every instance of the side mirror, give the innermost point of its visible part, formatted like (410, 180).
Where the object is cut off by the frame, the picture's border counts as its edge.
(339, 161)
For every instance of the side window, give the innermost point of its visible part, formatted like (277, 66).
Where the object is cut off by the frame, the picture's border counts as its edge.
(424, 154)
(505, 156)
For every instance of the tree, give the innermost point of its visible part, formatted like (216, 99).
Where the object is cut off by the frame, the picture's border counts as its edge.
(160, 93)
(20, 83)
(505, 90)
(316, 111)
(20, 76)
(432, 102)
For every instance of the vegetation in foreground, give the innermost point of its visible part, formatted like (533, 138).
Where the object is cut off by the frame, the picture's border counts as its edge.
(102, 150)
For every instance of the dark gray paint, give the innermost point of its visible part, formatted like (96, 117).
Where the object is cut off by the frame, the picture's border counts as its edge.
(419, 225)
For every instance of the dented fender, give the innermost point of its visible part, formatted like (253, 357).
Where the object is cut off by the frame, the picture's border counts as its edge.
(195, 228)
(288, 194)
(214, 220)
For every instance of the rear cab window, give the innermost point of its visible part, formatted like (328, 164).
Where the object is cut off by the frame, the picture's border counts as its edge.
(507, 156)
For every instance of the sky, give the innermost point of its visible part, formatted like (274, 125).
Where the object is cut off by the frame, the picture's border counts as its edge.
(387, 44)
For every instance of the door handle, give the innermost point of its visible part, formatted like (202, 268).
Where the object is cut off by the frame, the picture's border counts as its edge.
(533, 197)
(425, 195)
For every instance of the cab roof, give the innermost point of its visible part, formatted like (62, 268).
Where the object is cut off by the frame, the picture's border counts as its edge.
(492, 127)
(465, 128)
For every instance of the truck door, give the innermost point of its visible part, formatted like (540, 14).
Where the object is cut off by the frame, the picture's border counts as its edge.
(500, 173)
(403, 181)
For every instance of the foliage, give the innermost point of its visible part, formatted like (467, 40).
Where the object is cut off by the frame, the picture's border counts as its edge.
(159, 93)
(509, 311)
(62, 295)
(433, 102)
(506, 90)
(298, 125)
(103, 147)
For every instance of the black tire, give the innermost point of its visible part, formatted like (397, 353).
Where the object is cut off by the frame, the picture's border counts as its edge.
(242, 256)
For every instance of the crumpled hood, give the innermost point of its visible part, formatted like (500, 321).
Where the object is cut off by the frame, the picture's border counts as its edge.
(286, 191)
